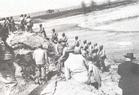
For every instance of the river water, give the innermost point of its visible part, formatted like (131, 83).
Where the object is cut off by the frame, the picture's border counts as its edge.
(116, 28)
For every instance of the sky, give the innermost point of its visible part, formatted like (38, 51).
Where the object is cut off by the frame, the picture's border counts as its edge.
(16, 7)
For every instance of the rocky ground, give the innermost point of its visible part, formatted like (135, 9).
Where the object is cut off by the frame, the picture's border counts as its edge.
(55, 85)
(117, 29)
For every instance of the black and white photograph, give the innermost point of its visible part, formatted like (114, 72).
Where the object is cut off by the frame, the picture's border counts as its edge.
(69, 47)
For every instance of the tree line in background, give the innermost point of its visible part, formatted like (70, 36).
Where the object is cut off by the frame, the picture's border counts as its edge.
(108, 4)
(87, 8)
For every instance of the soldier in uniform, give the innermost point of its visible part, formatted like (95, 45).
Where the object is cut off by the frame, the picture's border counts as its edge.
(64, 39)
(102, 57)
(54, 36)
(22, 22)
(12, 24)
(29, 24)
(42, 31)
(76, 41)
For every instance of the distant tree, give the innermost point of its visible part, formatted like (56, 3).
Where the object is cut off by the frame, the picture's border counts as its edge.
(109, 2)
(83, 5)
(92, 5)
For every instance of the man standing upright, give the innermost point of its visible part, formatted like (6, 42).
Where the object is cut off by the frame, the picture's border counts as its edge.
(22, 22)
(40, 57)
(29, 24)
(129, 58)
(12, 25)
(102, 57)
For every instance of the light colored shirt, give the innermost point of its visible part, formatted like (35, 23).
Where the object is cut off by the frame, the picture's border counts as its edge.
(21, 19)
(94, 73)
(64, 39)
(28, 20)
(76, 43)
(76, 68)
(59, 48)
(101, 53)
(54, 36)
(40, 56)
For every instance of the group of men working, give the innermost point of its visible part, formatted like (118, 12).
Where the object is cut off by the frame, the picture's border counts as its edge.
(83, 61)
(84, 52)
(26, 23)
(40, 54)
(77, 58)
(9, 25)
(92, 52)
(6, 27)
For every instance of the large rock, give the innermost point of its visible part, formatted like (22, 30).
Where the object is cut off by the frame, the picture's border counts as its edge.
(29, 39)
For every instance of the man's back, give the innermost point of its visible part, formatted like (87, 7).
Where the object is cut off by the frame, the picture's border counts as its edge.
(39, 56)
(76, 66)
